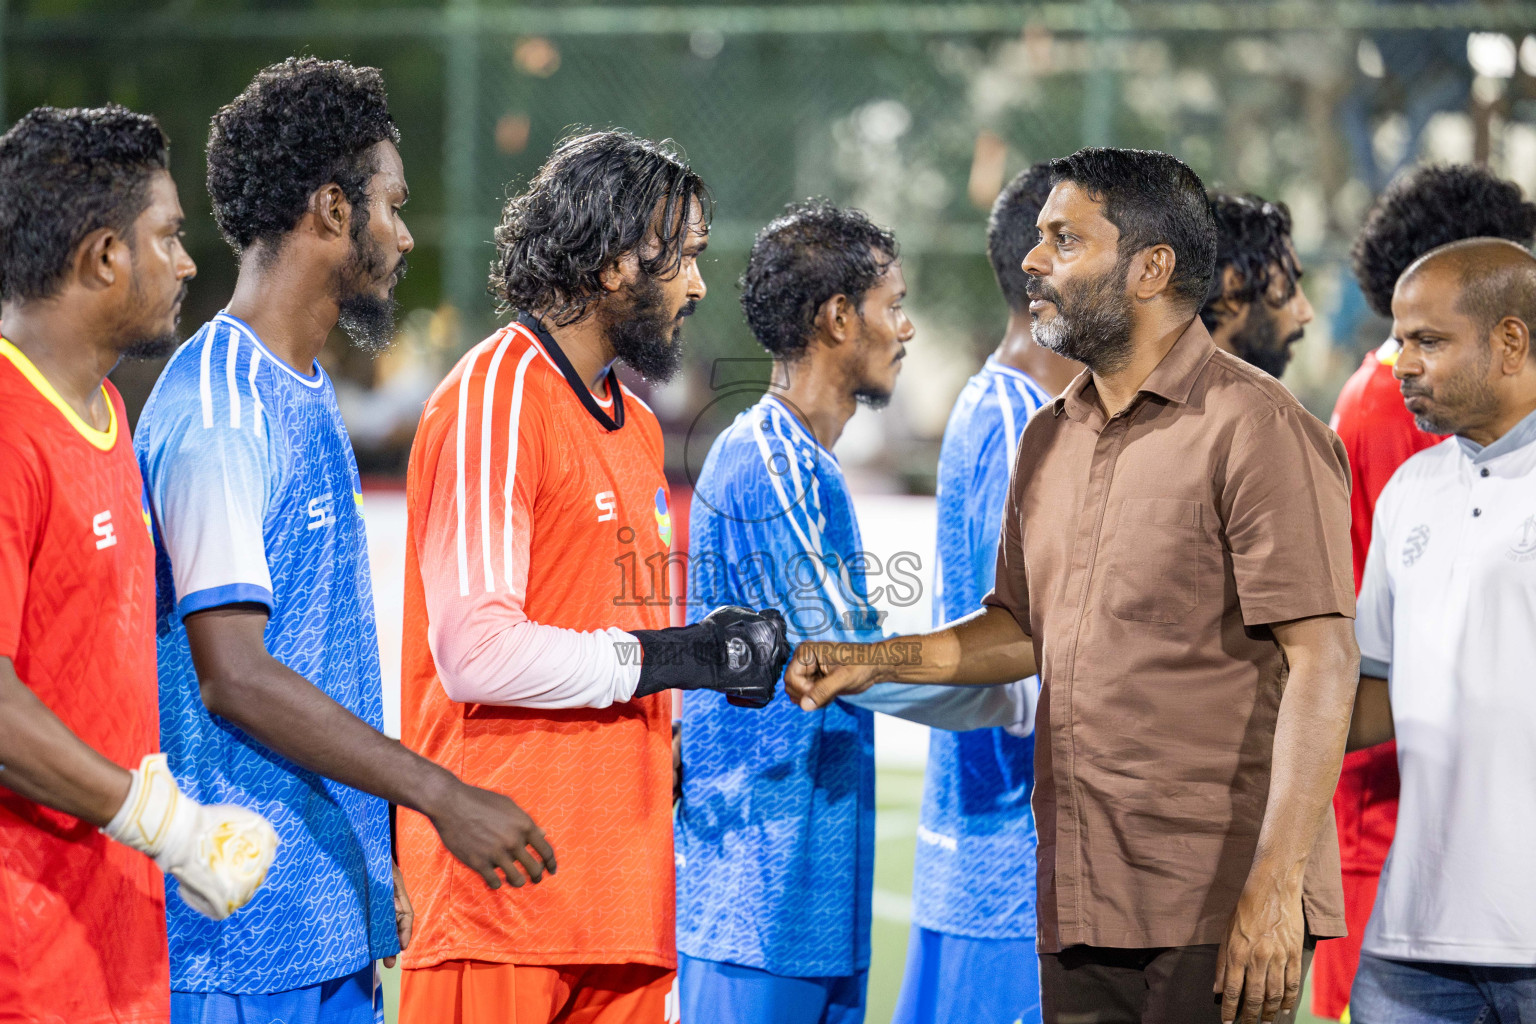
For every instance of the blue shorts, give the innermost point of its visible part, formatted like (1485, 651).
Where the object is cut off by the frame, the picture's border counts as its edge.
(980, 981)
(348, 1000)
(722, 993)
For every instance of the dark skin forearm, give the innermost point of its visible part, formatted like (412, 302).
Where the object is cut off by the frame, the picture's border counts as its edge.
(242, 683)
(1372, 721)
(43, 761)
(983, 649)
(1309, 735)
(1259, 966)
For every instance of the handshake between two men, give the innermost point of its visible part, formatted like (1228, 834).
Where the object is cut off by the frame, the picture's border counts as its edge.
(744, 653)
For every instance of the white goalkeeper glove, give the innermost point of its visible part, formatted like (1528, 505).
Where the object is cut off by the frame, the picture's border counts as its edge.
(219, 853)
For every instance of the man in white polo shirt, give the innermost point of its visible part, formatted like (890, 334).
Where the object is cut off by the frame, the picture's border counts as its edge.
(1447, 626)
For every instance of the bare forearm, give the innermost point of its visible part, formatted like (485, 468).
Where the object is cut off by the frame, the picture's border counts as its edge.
(43, 761)
(1308, 751)
(984, 649)
(1372, 721)
(287, 713)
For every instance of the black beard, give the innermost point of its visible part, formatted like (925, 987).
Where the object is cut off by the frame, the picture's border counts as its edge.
(1259, 343)
(151, 348)
(872, 398)
(368, 319)
(1093, 325)
(154, 346)
(644, 336)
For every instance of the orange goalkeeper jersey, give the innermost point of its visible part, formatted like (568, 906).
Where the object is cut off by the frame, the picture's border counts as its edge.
(530, 500)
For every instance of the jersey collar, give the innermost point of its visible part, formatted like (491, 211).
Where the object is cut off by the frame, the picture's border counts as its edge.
(563, 363)
(99, 439)
(1518, 436)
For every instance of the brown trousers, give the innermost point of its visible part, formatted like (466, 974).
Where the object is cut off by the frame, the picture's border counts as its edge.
(1098, 985)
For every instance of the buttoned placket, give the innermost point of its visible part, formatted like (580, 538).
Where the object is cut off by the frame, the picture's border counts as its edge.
(1085, 550)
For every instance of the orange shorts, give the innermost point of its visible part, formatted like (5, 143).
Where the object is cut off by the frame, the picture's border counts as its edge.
(477, 992)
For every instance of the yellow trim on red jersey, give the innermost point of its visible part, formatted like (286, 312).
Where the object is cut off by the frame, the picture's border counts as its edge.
(1387, 354)
(102, 439)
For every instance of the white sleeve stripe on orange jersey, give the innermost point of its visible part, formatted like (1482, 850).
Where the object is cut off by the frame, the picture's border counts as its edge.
(533, 339)
(232, 381)
(487, 405)
(514, 423)
(461, 540)
(204, 378)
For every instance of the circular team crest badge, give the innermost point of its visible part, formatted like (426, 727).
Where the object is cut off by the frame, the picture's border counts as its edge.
(663, 517)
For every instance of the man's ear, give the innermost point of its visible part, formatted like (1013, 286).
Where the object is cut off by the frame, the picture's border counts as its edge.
(102, 259)
(1511, 338)
(1153, 269)
(331, 211)
(620, 273)
(835, 319)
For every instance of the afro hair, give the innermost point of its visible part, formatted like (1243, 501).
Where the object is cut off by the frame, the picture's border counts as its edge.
(1426, 208)
(298, 126)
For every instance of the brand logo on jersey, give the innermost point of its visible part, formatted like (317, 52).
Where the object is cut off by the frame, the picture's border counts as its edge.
(101, 526)
(320, 512)
(1413, 547)
(1524, 547)
(607, 506)
(663, 516)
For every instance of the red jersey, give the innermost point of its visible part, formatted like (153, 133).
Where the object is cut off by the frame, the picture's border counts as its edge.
(525, 506)
(82, 918)
(1379, 435)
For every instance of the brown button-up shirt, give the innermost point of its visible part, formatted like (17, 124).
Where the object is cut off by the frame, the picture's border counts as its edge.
(1146, 554)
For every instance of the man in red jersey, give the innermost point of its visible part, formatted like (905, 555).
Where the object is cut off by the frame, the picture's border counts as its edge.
(1422, 210)
(536, 639)
(91, 269)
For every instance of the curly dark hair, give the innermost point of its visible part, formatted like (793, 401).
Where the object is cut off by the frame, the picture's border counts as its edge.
(598, 197)
(1252, 237)
(299, 125)
(1153, 198)
(1426, 208)
(1011, 230)
(804, 257)
(64, 174)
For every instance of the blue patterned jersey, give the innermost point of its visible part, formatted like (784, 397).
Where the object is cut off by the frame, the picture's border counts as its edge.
(976, 842)
(775, 838)
(255, 496)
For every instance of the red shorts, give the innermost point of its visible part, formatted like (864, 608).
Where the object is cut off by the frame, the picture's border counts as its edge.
(477, 992)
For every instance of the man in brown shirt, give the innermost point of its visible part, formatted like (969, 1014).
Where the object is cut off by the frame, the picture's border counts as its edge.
(1175, 561)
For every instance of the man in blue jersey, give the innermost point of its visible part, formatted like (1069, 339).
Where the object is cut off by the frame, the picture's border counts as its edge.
(775, 836)
(973, 892)
(270, 694)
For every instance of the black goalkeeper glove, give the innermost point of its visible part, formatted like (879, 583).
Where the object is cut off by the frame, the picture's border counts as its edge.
(734, 651)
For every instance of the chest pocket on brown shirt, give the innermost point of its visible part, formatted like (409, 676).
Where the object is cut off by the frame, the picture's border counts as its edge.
(1151, 560)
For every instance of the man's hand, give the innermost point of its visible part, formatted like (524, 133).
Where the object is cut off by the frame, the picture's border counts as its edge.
(734, 651)
(405, 915)
(487, 831)
(820, 671)
(219, 853)
(1259, 964)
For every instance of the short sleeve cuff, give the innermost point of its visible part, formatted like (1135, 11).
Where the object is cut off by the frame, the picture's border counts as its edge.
(1372, 667)
(1290, 607)
(996, 600)
(217, 597)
